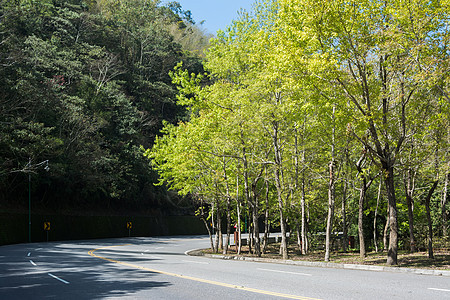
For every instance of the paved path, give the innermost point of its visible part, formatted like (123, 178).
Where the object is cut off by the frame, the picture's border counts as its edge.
(158, 268)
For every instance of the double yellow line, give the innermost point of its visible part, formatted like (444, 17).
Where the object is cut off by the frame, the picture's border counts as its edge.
(227, 285)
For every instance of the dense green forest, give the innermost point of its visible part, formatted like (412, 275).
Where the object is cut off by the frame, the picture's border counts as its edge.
(319, 118)
(83, 85)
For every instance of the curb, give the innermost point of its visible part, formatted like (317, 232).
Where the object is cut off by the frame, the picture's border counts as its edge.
(198, 252)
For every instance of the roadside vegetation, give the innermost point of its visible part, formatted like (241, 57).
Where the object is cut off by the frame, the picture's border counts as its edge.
(83, 84)
(319, 118)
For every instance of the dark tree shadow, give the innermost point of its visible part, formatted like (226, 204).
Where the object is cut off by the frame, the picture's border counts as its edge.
(89, 277)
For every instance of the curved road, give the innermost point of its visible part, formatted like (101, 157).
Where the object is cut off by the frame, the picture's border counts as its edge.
(158, 268)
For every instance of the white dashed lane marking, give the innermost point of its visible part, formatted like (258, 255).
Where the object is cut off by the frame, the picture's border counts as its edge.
(285, 272)
(57, 278)
(441, 290)
(196, 262)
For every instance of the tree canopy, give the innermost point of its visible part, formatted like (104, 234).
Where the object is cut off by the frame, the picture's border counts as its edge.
(305, 100)
(83, 84)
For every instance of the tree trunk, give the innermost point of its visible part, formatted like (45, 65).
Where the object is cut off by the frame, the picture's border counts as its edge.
(331, 195)
(278, 165)
(209, 233)
(239, 241)
(344, 218)
(304, 249)
(299, 237)
(375, 219)
(393, 225)
(227, 239)
(202, 217)
(365, 184)
(225, 177)
(266, 217)
(409, 190)
(250, 235)
(283, 246)
(430, 225)
(303, 203)
(331, 191)
(362, 196)
(385, 231)
(238, 211)
(216, 232)
(257, 244)
(443, 207)
(219, 229)
(246, 184)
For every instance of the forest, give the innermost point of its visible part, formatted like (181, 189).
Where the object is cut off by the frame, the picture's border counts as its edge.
(84, 85)
(319, 119)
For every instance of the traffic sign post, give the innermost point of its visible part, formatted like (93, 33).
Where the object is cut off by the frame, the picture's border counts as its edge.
(129, 226)
(47, 228)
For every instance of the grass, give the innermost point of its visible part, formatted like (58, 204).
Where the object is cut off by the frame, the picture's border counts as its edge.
(417, 260)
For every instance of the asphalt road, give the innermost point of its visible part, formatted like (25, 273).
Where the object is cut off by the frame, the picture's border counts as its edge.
(158, 268)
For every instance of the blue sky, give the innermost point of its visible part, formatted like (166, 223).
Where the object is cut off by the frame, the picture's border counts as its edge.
(217, 13)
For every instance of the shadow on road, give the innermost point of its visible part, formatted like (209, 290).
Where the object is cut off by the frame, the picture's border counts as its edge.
(88, 277)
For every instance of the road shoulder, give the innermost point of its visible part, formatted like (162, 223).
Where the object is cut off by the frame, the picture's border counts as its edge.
(199, 252)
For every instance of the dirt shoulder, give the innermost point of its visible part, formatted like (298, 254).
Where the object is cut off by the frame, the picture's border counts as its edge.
(351, 260)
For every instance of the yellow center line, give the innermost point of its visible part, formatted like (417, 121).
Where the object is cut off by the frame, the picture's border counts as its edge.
(227, 285)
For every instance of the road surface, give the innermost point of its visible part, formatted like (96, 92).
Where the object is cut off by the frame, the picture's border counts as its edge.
(158, 268)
